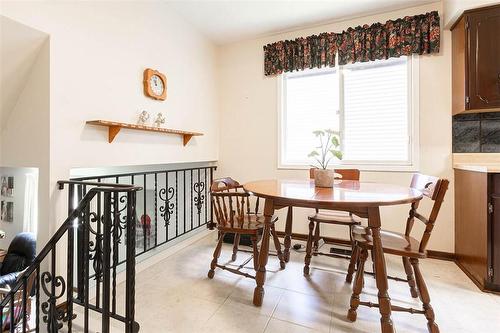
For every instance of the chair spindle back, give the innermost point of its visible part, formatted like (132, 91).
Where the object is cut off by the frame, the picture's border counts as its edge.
(435, 189)
(230, 203)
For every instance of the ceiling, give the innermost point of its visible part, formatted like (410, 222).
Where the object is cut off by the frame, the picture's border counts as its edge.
(230, 21)
(19, 47)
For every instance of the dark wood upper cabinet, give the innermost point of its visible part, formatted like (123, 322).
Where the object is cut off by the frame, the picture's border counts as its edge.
(476, 61)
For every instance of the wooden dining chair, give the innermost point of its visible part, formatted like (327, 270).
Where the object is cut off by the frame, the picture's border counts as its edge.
(329, 217)
(404, 245)
(231, 207)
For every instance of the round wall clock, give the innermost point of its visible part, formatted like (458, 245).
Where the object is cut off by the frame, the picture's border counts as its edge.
(155, 84)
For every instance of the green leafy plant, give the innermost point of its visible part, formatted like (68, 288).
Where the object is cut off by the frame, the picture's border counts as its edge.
(329, 148)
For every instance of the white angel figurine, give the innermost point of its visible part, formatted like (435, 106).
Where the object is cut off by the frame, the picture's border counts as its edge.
(160, 120)
(143, 117)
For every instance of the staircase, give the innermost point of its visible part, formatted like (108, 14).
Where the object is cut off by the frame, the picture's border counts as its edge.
(72, 284)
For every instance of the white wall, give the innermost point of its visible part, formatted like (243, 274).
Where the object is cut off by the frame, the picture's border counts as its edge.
(19, 48)
(24, 128)
(454, 8)
(249, 112)
(98, 52)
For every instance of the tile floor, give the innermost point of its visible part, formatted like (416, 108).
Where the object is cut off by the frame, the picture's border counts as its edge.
(176, 296)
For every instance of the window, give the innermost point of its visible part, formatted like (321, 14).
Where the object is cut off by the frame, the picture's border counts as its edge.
(370, 104)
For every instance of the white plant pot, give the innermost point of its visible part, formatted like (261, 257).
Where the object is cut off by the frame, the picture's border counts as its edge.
(324, 178)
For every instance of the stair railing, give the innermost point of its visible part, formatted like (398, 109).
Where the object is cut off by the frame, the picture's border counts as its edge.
(56, 296)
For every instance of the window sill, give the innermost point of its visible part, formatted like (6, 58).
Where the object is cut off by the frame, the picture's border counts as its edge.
(361, 167)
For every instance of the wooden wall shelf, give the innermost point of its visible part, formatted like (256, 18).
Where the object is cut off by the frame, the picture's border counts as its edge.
(115, 127)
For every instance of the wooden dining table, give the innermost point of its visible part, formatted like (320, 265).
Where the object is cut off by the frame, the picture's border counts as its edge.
(363, 199)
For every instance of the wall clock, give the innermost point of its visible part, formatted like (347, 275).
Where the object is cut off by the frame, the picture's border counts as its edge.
(155, 84)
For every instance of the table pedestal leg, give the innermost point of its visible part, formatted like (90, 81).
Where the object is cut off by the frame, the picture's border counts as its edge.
(288, 234)
(260, 277)
(380, 272)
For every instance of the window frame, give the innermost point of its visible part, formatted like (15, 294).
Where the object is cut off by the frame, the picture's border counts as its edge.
(412, 165)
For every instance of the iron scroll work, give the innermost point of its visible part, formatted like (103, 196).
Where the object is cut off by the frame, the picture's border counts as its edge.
(108, 227)
(45, 294)
(172, 204)
(112, 220)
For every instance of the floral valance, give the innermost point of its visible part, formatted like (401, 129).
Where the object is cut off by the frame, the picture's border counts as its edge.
(418, 34)
(301, 53)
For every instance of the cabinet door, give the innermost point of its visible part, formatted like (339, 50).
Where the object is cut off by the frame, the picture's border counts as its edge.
(494, 246)
(471, 223)
(494, 233)
(484, 58)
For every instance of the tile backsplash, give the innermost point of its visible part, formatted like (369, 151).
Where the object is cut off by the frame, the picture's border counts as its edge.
(476, 133)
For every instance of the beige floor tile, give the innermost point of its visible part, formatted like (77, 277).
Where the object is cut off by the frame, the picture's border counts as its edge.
(319, 282)
(307, 310)
(495, 297)
(242, 298)
(216, 290)
(175, 313)
(280, 326)
(233, 319)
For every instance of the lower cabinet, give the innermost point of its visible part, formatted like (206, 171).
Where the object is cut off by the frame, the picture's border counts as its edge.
(477, 227)
(494, 235)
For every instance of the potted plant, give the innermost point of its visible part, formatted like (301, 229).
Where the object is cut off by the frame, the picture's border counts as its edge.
(329, 148)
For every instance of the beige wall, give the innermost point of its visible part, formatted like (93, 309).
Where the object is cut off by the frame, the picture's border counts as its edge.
(249, 112)
(98, 52)
(454, 8)
(19, 48)
(25, 134)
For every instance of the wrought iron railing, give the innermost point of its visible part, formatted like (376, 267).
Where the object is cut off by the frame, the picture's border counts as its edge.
(112, 218)
(50, 281)
(173, 203)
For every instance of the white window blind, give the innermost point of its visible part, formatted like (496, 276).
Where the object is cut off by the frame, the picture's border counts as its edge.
(312, 103)
(369, 103)
(376, 117)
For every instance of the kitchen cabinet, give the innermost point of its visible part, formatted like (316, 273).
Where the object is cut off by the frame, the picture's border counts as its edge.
(477, 226)
(476, 61)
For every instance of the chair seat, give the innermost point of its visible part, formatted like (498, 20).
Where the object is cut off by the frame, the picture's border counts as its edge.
(335, 218)
(392, 242)
(251, 224)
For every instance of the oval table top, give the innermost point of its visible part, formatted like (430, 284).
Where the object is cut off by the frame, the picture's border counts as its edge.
(344, 192)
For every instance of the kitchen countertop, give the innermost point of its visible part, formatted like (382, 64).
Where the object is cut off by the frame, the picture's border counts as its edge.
(486, 167)
(478, 162)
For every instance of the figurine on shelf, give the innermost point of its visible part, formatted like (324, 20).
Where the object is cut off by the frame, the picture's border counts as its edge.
(143, 118)
(160, 120)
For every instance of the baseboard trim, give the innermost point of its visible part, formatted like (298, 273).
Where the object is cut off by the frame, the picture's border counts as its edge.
(448, 256)
(440, 255)
(488, 288)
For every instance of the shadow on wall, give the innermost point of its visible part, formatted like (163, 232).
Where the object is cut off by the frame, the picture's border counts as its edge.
(20, 46)
(24, 130)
